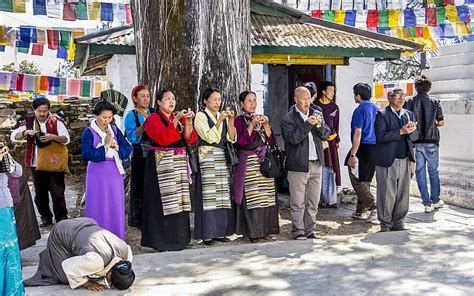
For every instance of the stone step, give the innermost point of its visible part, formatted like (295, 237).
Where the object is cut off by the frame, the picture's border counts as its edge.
(451, 60)
(452, 86)
(453, 195)
(448, 72)
(456, 49)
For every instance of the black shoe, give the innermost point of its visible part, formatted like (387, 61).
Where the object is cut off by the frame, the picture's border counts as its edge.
(208, 242)
(399, 228)
(385, 229)
(253, 240)
(311, 236)
(222, 239)
(45, 223)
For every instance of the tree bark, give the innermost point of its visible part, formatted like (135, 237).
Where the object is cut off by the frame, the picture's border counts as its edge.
(187, 46)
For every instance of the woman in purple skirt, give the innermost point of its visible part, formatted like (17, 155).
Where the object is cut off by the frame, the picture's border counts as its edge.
(104, 146)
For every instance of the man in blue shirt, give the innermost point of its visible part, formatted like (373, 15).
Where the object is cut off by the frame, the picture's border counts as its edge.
(361, 157)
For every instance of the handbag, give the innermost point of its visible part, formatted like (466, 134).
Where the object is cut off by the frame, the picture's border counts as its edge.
(272, 164)
(328, 184)
(230, 154)
(53, 158)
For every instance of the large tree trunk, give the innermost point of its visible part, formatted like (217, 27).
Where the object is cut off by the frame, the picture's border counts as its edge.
(189, 45)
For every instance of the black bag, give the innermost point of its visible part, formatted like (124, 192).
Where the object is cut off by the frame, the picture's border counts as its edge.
(192, 158)
(230, 154)
(272, 164)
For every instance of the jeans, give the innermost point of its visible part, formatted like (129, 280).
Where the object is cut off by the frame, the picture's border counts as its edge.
(427, 154)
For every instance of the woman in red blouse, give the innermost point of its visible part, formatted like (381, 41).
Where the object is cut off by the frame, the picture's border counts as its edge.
(166, 203)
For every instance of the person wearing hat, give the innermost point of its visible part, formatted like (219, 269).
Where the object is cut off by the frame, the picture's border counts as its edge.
(80, 253)
(40, 129)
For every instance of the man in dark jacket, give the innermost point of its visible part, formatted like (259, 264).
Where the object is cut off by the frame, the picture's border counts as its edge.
(394, 152)
(430, 116)
(303, 129)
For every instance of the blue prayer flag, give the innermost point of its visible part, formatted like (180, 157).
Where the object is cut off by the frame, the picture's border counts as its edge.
(409, 17)
(39, 7)
(106, 11)
(350, 18)
(62, 53)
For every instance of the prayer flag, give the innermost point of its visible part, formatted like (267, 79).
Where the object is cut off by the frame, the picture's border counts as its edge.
(53, 85)
(43, 83)
(2, 48)
(448, 30)
(452, 14)
(73, 87)
(439, 3)
(6, 5)
(410, 18)
(71, 51)
(20, 82)
(37, 49)
(41, 36)
(119, 12)
(53, 39)
(420, 16)
(383, 19)
(53, 9)
(106, 11)
(22, 47)
(29, 82)
(81, 10)
(418, 32)
(86, 88)
(65, 39)
(378, 92)
(463, 13)
(62, 53)
(339, 16)
(372, 19)
(19, 6)
(129, 18)
(409, 91)
(328, 15)
(440, 15)
(69, 11)
(94, 11)
(62, 86)
(5, 79)
(431, 16)
(350, 18)
(393, 16)
(448, 2)
(13, 81)
(39, 7)
(314, 13)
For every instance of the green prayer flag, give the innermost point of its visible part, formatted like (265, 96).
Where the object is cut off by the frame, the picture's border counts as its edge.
(411, 32)
(23, 49)
(383, 19)
(81, 10)
(6, 5)
(328, 15)
(86, 88)
(439, 3)
(65, 39)
(62, 86)
(440, 15)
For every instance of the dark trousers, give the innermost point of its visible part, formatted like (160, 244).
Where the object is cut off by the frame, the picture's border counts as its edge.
(45, 183)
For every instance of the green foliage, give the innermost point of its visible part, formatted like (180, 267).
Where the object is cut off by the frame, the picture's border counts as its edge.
(25, 67)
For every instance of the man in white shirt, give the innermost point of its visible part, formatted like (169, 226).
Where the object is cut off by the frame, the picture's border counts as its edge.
(303, 129)
(48, 128)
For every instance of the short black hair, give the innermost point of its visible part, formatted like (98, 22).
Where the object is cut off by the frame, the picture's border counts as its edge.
(207, 93)
(103, 105)
(161, 93)
(423, 84)
(325, 84)
(40, 100)
(244, 94)
(122, 276)
(311, 86)
(363, 90)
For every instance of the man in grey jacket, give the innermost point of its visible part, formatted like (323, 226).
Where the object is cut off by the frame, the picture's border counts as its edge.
(303, 130)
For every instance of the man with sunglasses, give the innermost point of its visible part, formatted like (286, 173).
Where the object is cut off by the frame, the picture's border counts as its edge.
(394, 152)
(79, 253)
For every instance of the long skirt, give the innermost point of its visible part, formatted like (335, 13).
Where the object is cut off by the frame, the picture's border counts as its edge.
(136, 191)
(331, 159)
(10, 263)
(257, 216)
(161, 232)
(214, 212)
(105, 196)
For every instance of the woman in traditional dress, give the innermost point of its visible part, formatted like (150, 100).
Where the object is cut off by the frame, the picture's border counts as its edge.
(215, 217)
(167, 202)
(254, 195)
(135, 133)
(104, 146)
(10, 265)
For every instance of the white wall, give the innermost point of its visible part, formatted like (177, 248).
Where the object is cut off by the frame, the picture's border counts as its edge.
(257, 85)
(359, 70)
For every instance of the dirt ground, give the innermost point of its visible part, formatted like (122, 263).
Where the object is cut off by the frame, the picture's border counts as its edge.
(328, 224)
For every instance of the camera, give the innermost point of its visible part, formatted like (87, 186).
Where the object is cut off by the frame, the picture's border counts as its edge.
(37, 140)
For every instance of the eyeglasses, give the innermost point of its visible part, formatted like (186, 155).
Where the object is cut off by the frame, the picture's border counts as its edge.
(398, 96)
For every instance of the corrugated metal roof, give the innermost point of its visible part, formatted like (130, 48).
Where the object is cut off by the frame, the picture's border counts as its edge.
(288, 31)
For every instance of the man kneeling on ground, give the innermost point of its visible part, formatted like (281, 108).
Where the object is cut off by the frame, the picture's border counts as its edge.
(82, 254)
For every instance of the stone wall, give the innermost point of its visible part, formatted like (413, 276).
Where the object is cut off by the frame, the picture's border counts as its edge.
(76, 114)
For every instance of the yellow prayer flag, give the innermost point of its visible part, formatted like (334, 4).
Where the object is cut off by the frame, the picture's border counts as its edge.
(37, 83)
(339, 16)
(71, 53)
(378, 90)
(430, 2)
(393, 16)
(452, 14)
(19, 6)
(3, 39)
(94, 11)
(400, 32)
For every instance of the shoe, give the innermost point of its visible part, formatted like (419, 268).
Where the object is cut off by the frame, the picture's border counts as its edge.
(300, 237)
(208, 242)
(253, 240)
(311, 236)
(222, 239)
(360, 216)
(399, 228)
(372, 217)
(45, 223)
(429, 209)
(438, 205)
(384, 229)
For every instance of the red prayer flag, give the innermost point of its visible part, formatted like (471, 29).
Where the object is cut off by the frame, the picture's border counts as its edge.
(37, 49)
(418, 31)
(53, 39)
(69, 11)
(20, 79)
(448, 2)
(431, 16)
(317, 13)
(128, 14)
(43, 85)
(372, 18)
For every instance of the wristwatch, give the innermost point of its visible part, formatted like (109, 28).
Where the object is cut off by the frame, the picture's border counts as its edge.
(352, 155)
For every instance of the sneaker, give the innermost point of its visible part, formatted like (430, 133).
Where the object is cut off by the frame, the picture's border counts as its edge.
(300, 237)
(429, 209)
(360, 216)
(438, 205)
(384, 229)
(372, 217)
